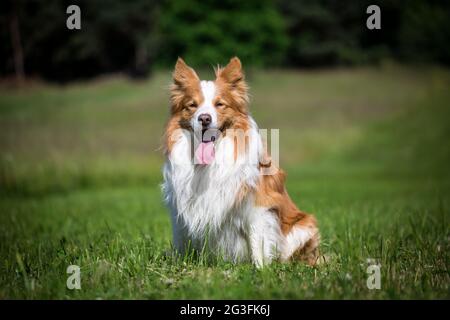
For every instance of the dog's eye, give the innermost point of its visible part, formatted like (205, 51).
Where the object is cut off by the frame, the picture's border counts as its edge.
(219, 104)
(192, 104)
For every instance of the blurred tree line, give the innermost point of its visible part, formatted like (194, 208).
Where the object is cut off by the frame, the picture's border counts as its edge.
(137, 36)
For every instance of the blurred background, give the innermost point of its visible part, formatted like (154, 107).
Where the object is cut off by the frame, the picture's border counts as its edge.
(94, 101)
(140, 36)
(364, 119)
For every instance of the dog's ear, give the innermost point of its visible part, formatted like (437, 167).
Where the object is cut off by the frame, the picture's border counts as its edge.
(183, 75)
(233, 76)
(232, 73)
(185, 81)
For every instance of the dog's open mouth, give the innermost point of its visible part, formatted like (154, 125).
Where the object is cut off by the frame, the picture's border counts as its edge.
(205, 152)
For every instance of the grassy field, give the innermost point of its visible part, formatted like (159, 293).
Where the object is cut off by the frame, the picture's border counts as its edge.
(366, 150)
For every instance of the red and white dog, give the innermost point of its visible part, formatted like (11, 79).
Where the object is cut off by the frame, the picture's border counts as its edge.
(214, 181)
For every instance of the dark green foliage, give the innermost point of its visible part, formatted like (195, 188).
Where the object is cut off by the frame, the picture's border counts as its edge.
(425, 31)
(114, 36)
(134, 36)
(329, 32)
(208, 32)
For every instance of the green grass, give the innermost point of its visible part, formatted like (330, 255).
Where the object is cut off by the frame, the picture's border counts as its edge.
(366, 150)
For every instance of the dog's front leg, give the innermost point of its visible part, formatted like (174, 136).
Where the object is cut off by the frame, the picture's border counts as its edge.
(179, 234)
(265, 237)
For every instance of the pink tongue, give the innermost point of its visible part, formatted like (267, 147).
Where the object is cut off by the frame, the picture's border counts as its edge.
(205, 153)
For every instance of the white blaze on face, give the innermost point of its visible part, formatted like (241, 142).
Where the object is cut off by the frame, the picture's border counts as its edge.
(207, 107)
(204, 149)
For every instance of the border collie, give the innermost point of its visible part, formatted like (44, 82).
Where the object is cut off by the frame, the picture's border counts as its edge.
(223, 192)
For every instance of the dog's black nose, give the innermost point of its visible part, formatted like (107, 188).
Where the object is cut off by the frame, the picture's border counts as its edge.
(204, 119)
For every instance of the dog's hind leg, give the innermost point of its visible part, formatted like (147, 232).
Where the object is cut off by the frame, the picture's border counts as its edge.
(302, 240)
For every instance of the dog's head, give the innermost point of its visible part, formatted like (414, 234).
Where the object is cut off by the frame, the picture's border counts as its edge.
(209, 108)
(203, 105)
